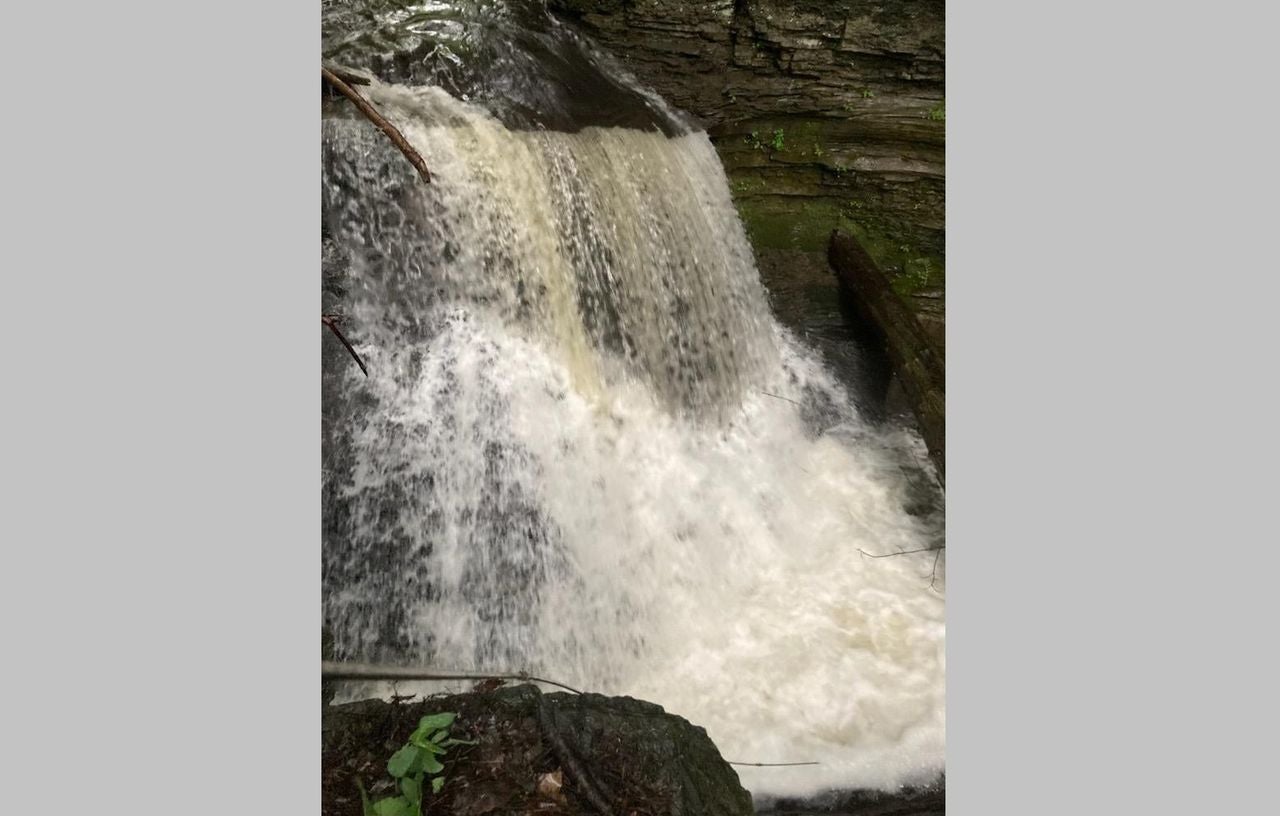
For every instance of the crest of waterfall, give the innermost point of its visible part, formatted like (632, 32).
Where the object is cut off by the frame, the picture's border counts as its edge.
(587, 449)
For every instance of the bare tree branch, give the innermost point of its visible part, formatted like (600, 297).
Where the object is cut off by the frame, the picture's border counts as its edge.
(785, 399)
(397, 138)
(901, 552)
(331, 322)
(365, 671)
(933, 575)
(349, 77)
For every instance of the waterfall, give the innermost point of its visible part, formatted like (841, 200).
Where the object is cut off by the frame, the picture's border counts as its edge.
(587, 449)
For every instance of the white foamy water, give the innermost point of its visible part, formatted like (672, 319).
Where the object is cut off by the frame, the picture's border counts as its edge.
(588, 450)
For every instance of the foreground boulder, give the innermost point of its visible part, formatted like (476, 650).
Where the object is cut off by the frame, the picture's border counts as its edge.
(539, 753)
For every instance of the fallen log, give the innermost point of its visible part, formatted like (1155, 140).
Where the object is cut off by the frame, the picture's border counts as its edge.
(917, 360)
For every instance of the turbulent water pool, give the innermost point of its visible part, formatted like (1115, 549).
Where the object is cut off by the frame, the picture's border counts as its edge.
(587, 447)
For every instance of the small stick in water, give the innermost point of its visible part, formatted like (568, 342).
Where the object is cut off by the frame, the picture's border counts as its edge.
(331, 322)
(900, 552)
(330, 670)
(397, 138)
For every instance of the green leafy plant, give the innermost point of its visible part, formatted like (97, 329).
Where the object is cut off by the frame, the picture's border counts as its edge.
(754, 140)
(938, 114)
(415, 764)
(867, 93)
(914, 277)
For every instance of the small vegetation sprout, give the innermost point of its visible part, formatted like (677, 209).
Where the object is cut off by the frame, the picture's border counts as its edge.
(414, 765)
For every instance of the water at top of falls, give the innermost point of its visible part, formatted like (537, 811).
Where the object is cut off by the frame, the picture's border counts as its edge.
(510, 56)
(587, 449)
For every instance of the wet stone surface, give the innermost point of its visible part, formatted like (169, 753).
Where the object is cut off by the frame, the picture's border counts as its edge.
(537, 753)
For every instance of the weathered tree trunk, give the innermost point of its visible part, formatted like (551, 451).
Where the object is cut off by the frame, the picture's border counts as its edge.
(917, 360)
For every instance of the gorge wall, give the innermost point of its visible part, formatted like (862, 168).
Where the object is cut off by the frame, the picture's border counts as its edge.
(825, 113)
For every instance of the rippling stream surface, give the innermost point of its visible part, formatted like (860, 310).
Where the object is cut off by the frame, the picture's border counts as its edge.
(587, 448)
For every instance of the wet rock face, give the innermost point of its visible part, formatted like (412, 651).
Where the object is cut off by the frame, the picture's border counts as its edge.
(728, 60)
(826, 113)
(536, 753)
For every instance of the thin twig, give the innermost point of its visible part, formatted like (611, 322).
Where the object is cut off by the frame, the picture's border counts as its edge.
(901, 552)
(933, 576)
(331, 322)
(397, 697)
(770, 764)
(366, 671)
(785, 399)
(397, 138)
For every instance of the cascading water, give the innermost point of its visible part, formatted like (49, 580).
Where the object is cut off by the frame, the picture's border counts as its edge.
(587, 449)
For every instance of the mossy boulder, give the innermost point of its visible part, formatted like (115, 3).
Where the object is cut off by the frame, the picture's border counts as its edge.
(609, 754)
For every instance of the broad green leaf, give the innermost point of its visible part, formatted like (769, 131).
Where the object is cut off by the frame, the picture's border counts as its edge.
(437, 782)
(412, 790)
(396, 806)
(427, 745)
(431, 765)
(402, 760)
(415, 767)
(433, 721)
(420, 734)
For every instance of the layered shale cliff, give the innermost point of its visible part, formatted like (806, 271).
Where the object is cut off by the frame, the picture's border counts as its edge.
(826, 114)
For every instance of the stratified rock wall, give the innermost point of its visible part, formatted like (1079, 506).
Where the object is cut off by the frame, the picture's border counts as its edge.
(826, 113)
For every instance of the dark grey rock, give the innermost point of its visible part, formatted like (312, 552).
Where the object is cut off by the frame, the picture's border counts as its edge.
(615, 754)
